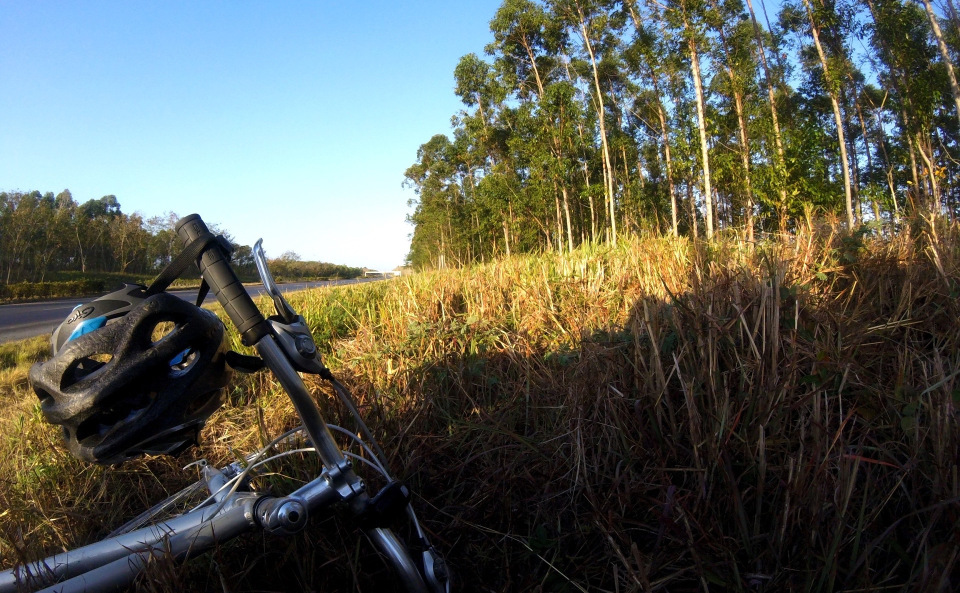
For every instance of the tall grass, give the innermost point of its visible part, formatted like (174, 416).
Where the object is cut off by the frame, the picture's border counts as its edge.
(664, 415)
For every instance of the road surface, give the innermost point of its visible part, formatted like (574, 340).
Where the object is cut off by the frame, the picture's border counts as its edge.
(26, 320)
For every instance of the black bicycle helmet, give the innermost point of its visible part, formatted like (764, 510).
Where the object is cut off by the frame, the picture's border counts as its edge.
(133, 374)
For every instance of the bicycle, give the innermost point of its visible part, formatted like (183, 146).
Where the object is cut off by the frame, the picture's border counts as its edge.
(285, 347)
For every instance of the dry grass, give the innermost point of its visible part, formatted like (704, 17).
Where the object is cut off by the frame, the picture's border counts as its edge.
(660, 416)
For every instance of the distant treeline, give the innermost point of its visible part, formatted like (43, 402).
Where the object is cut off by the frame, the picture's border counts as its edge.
(46, 237)
(289, 267)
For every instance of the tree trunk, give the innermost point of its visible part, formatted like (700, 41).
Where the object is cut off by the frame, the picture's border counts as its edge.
(559, 221)
(837, 116)
(771, 95)
(887, 165)
(557, 146)
(702, 125)
(915, 176)
(866, 142)
(83, 261)
(593, 211)
(944, 54)
(935, 205)
(670, 188)
(745, 162)
(655, 80)
(900, 86)
(742, 132)
(854, 169)
(953, 16)
(691, 200)
(627, 193)
(608, 172)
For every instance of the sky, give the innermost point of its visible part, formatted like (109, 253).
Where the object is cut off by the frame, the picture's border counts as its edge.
(288, 121)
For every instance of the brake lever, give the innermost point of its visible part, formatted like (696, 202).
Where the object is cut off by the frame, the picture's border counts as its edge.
(284, 310)
(289, 327)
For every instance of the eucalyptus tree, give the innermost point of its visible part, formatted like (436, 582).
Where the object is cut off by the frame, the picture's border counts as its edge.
(594, 24)
(824, 20)
(736, 79)
(772, 84)
(522, 31)
(129, 242)
(585, 157)
(18, 211)
(93, 219)
(527, 42)
(641, 103)
(882, 122)
(899, 34)
(944, 54)
(479, 86)
(561, 114)
(646, 56)
(164, 242)
(471, 162)
(686, 16)
(433, 178)
(54, 222)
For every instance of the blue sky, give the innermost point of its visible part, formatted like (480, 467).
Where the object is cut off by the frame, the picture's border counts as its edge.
(291, 121)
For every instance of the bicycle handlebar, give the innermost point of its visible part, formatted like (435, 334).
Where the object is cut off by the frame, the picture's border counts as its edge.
(215, 269)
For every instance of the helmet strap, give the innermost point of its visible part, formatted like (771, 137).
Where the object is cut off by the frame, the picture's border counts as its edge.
(190, 254)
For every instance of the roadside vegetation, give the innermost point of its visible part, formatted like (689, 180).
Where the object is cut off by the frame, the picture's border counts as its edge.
(666, 414)
(51, 246)
(76, 284)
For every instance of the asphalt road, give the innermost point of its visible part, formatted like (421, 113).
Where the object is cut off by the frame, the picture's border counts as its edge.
(26, 320)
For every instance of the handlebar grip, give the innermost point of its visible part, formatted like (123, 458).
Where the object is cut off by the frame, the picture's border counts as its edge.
(223, 281)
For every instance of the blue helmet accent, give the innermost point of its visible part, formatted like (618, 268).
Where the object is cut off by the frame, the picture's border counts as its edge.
(86, 326)
(179, 357)
(94, 315)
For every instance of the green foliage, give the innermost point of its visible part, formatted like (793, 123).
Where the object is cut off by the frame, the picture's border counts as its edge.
(50, 247)
(563, 83)
(286, 270)
(22, 291)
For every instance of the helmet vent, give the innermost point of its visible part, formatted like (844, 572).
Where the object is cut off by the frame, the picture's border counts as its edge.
(114, 413)
(183, 362)
(45, 398)
(83, 369)
(161, 331)
(88, 432)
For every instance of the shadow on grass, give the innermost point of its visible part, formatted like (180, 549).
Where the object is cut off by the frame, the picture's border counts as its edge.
(748, 434)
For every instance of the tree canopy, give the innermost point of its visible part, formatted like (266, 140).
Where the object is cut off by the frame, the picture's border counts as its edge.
(588, 118)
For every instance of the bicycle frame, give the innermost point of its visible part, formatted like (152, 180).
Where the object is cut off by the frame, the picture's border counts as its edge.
(115, 562)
